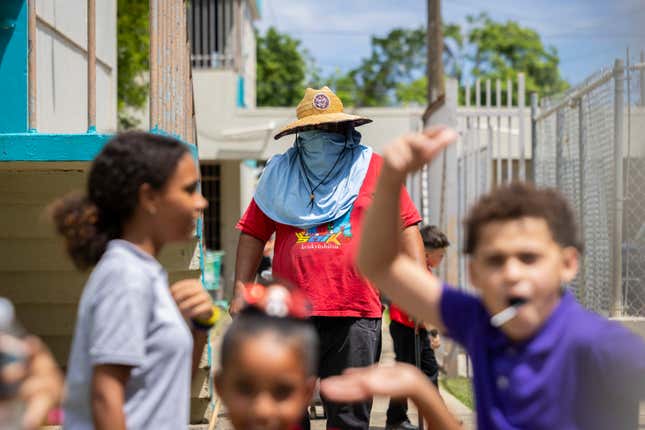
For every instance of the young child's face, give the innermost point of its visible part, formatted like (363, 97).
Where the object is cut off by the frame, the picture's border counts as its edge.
(266, 385)
(434, 256)
(520, 259)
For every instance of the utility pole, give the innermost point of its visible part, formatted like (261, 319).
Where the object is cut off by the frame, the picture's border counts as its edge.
(436, 98)
(436, 88)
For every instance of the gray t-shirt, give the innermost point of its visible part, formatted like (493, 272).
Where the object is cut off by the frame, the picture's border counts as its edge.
(127, 316)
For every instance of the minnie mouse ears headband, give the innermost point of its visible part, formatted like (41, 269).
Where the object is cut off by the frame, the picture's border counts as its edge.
(276, 300)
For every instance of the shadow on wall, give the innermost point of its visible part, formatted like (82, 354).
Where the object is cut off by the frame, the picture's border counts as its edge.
(9, 11)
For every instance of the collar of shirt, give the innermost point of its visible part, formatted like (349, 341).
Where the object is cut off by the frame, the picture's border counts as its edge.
(130, 248)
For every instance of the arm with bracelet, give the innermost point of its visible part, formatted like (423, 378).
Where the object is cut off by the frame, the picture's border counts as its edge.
(195, 304)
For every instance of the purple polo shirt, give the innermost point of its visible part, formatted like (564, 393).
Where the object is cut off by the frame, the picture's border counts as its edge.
(580, 371)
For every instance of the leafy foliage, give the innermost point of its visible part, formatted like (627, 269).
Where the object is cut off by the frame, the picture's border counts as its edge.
(502, 50)
(394, 73)
(133, 48)
(281, 69)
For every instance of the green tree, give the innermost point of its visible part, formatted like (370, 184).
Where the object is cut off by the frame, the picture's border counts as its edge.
(395, 58)
(415, 92)
(133, 45)
(502, 50)
(394, 73)
(281, 69)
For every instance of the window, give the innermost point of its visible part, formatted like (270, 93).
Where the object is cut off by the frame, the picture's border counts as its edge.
(211, 181)
(210, 23)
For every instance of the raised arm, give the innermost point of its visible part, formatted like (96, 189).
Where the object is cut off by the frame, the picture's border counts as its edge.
(401, 381)
(382, 257)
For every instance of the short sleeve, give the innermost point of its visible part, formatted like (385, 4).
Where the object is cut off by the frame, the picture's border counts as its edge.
(459, 313)
(409, 213)
(120, 316)
(255, 223)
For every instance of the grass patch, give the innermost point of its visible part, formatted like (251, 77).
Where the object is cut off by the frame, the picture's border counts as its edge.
(461, 388)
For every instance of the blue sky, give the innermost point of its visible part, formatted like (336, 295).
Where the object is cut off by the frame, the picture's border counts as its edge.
(588, 34)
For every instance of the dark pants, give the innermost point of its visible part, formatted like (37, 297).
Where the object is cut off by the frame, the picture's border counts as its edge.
(346, 342)
(403, 339)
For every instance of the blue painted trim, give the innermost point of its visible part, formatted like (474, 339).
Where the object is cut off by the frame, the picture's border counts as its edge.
(191, 146)
(258, 5)
(14, 50)
(51, 147)
(240, 92)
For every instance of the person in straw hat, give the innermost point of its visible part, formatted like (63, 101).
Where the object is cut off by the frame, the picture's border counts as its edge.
(314, 197)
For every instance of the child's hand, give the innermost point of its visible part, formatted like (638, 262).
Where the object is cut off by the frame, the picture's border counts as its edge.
(412, 151)
(238, 299)
(192, 299)
(42, 388)
(358, 384)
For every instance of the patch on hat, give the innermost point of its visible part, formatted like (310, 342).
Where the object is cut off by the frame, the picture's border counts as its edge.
(321, 101)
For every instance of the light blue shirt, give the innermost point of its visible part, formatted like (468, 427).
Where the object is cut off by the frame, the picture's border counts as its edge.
(128, 317)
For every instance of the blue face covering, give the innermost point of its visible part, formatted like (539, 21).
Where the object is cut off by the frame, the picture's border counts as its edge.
(332, 165)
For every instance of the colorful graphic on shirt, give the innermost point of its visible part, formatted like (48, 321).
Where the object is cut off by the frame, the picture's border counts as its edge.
(331, 235)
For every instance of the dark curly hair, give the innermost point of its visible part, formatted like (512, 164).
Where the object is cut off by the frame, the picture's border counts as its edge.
(251, 322)
(128, 160)
(434, 238)
(518, 200)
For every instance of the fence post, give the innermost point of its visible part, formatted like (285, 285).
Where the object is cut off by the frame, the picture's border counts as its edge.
(534, 111)
(619, 134)
(582, 137)
(559, 137)
(154, 63)
(489, 139)
(509, 140)
(498, 94)
(521, 103)
(478, 98)
(32, 67)
(641, 73)
(91, 66)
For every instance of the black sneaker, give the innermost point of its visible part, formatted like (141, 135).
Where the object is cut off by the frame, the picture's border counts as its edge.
(405, 425)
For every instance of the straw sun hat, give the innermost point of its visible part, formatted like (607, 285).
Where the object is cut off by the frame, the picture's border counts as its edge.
(320, 107)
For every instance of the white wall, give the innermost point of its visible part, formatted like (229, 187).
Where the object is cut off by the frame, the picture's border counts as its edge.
(227, 132)
(249, 63)
(62, 66)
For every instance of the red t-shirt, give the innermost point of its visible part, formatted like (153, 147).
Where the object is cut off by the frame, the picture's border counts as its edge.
(397, 314)
(320, 260)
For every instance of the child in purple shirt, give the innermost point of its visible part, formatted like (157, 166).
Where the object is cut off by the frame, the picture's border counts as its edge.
(540, 360)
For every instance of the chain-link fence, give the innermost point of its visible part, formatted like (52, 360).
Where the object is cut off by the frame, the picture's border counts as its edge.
(589, 143)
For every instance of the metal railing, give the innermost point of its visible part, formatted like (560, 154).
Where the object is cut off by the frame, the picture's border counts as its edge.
(211, 24)
(492, 148)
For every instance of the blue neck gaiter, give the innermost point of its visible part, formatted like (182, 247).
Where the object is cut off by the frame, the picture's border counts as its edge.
(329, 165)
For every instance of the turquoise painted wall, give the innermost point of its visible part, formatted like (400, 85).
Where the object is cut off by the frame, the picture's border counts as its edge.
(57, 147)
(240, 92)
(14, 48)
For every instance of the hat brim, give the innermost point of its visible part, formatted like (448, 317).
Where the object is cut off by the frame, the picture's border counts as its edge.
(313, 121)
